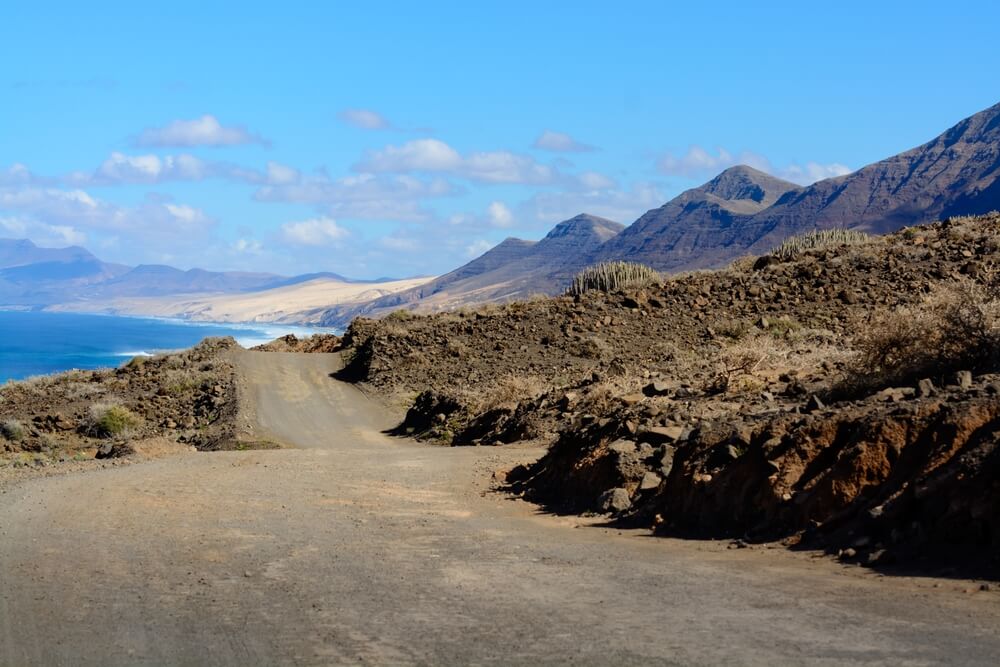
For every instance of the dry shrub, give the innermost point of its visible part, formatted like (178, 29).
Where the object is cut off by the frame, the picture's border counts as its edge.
(509, 391)
(742, 359)
(12, 430)
(744, 366)
(957, 327)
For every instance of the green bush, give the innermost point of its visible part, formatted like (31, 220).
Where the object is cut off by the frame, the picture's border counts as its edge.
(12, 430)
(820, 238)
(107, 421)
(613, 276)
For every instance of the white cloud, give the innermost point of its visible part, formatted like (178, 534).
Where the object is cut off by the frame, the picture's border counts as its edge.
(204, 131)
(813, 171)
(248, 247)
(435, 156)
(314, 232)
(400, 243)
(416, 155)
(615, 204)
(361, 196)
(499, 215)
(366, 119)
(279, 174)
(700, 163)
(477, 248)
(77, 209)
(591, 180)
(121, 168)
(41, 233)
(560, 143)
(18, 174)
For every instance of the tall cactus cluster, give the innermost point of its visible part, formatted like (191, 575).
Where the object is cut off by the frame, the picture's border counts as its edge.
(820, 238)
(612, 276)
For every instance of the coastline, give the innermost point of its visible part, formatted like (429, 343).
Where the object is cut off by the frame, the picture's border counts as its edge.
(92, 341)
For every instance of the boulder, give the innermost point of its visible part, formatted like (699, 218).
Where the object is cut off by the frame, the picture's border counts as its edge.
(963, 379)
(656, 389)
(615, 500)
(650, 481)
(662, 435)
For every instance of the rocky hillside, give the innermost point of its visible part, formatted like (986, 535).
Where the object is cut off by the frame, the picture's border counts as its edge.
(696, 228)
(190, 398)
(515, 269)
(843, 396)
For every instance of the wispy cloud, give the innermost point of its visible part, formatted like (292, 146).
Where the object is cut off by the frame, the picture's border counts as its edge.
(477, 248)
(435, 156)
(622, 205)
(560, 142)
(203, 131)
(314, 232)
(78, 209)
(499, 215)
(366, 119)
(362, 196)
(41, 233)
(123, 169)
(698, 162)
(19, 174)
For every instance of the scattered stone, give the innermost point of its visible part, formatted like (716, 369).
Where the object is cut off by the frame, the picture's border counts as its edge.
(925, 388)
(656, 389)
(659, 435)
(963, 379)
(650, 481)
(813, 404)
(615, 500)
(632, 399)
(622, 447)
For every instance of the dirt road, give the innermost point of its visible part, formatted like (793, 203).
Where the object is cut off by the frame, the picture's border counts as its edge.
(358, 548)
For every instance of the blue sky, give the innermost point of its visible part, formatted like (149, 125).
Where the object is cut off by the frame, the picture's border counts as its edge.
(406, 138)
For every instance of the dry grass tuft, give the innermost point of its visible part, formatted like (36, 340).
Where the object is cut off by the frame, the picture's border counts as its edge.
(957, 327)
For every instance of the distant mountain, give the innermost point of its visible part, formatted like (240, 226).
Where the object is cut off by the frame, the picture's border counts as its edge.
(743, 211)
(513, 269)
(678, 233)
(30, 275)
(20, 252)
(159, 280)
(35, 277)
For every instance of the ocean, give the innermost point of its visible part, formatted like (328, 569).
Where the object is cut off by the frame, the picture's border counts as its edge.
(34, 343)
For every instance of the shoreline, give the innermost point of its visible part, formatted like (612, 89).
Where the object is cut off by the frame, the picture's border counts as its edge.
(64, 344)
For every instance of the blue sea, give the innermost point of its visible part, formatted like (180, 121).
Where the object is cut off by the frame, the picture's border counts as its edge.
(33, 343)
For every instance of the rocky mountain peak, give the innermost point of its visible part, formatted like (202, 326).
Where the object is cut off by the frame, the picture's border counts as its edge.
(585, 227)
(746, 183)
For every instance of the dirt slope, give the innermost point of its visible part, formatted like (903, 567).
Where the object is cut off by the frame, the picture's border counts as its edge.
(358, 548)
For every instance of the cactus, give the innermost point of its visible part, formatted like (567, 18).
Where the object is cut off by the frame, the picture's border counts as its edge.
(611, 276)
(820, 238)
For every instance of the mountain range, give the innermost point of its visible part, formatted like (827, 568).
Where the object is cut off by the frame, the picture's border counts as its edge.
(739, 212)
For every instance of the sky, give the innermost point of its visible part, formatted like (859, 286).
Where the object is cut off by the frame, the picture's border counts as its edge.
(404, 138)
